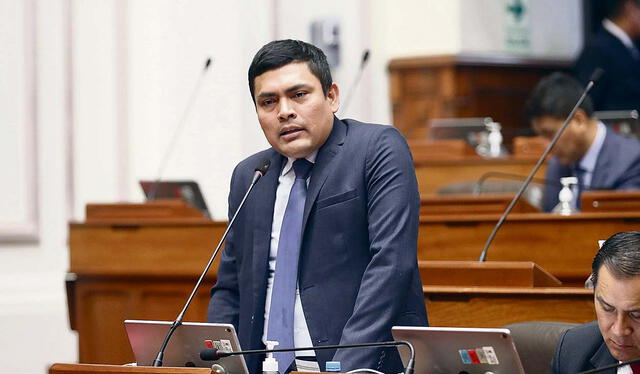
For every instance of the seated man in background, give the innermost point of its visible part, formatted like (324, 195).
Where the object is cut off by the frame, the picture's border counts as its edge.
(616, 335)
(588, 150)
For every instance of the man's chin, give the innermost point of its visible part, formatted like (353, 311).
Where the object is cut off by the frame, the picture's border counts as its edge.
(623, 354)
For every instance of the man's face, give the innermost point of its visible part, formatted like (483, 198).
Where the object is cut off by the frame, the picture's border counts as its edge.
(617, 303)
(572, 145)
(295, 115)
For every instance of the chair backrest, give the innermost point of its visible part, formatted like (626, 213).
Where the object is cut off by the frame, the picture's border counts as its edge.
(536, 343)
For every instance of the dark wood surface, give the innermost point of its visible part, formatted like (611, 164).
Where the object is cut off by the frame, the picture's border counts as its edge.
(465, 204)
(562, 245)
(62, 368)
(485, 274)
(424, 88)
(499, 306)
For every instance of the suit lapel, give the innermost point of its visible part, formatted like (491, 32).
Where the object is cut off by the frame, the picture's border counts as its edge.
(603, 357)
(603, 164)
(262, 217)
(323, 166)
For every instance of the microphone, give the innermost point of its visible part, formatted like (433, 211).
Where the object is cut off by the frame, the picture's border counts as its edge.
(153, 190)
(354, 85)
(213, 354)
(612, 366)
(594, 77)
(260, 171)
(477, 187)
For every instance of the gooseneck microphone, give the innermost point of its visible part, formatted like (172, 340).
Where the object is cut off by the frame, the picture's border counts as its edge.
(354, 85)
(612, 366)
(260, 171)
(213, 354)
(594, 77)
(153, 190)
(477, 187)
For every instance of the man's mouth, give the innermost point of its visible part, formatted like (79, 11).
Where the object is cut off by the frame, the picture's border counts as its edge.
(621, 346)
(289, 131)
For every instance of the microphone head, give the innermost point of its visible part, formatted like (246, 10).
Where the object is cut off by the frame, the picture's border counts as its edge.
(263, 167)
(365, 57)
(209, 354)
(207, 64)
(597, 74)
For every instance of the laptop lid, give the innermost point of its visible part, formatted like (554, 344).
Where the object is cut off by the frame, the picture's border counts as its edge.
(183, 350)
(449, 350)
(188, 191)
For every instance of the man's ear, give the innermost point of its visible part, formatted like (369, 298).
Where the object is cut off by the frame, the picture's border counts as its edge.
(333, 95)
(581, 117)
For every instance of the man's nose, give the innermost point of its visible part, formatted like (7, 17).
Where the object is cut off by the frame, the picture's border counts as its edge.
(286, 111)
(621, 326)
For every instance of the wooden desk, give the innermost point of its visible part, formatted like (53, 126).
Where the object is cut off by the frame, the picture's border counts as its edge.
(61, 368)
(423, 88)
(562, 245)
(499, 306)
(435, 173)
(128, 270)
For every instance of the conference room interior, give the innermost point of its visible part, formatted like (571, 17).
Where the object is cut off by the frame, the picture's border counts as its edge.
(99, 95)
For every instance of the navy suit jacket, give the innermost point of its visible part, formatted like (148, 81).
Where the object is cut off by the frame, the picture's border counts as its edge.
(619, 87)
(617, 168)
(358, 273)
(582, 348)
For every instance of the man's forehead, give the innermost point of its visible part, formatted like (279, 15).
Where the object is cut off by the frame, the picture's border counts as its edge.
(298, 70)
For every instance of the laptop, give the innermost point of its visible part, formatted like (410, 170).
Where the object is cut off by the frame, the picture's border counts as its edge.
(183, 350)
(450, 350)
(188, 191)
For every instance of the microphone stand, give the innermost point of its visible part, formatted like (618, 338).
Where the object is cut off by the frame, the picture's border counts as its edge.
(612, 366)
(212, 354)
(594, 77)
(260, 171)
(153, 190)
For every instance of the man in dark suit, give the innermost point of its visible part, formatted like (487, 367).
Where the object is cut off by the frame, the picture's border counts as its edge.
(588, 150)
(354, 259)
(616, 335)
(613, 48)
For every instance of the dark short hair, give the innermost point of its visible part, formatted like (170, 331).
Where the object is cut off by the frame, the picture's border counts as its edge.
(615, 8)
(620, 254)
(554, 96)
(282, 52)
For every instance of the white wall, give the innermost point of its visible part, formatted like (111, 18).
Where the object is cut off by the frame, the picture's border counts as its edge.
(113, 77)
(33, 311)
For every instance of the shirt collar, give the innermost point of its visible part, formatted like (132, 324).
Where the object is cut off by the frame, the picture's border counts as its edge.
(588, 161)
(289, 165)
(616, 31)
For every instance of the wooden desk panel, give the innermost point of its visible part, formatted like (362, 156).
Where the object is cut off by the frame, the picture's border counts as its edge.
(434, 174)
(496, 307)
(564, 246)
(133, 270)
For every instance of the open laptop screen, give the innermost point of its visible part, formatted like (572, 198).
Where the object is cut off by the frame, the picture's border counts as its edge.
(450, 350)
(185, 345)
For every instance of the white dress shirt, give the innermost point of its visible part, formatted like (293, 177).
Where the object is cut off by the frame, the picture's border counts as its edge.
(301, 336)
(616, 31)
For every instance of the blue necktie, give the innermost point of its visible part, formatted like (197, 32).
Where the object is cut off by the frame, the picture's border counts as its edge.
(283, 295)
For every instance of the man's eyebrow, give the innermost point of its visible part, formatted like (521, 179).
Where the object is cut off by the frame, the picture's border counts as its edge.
(297, 87)
(601, 300)
(288, 90)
